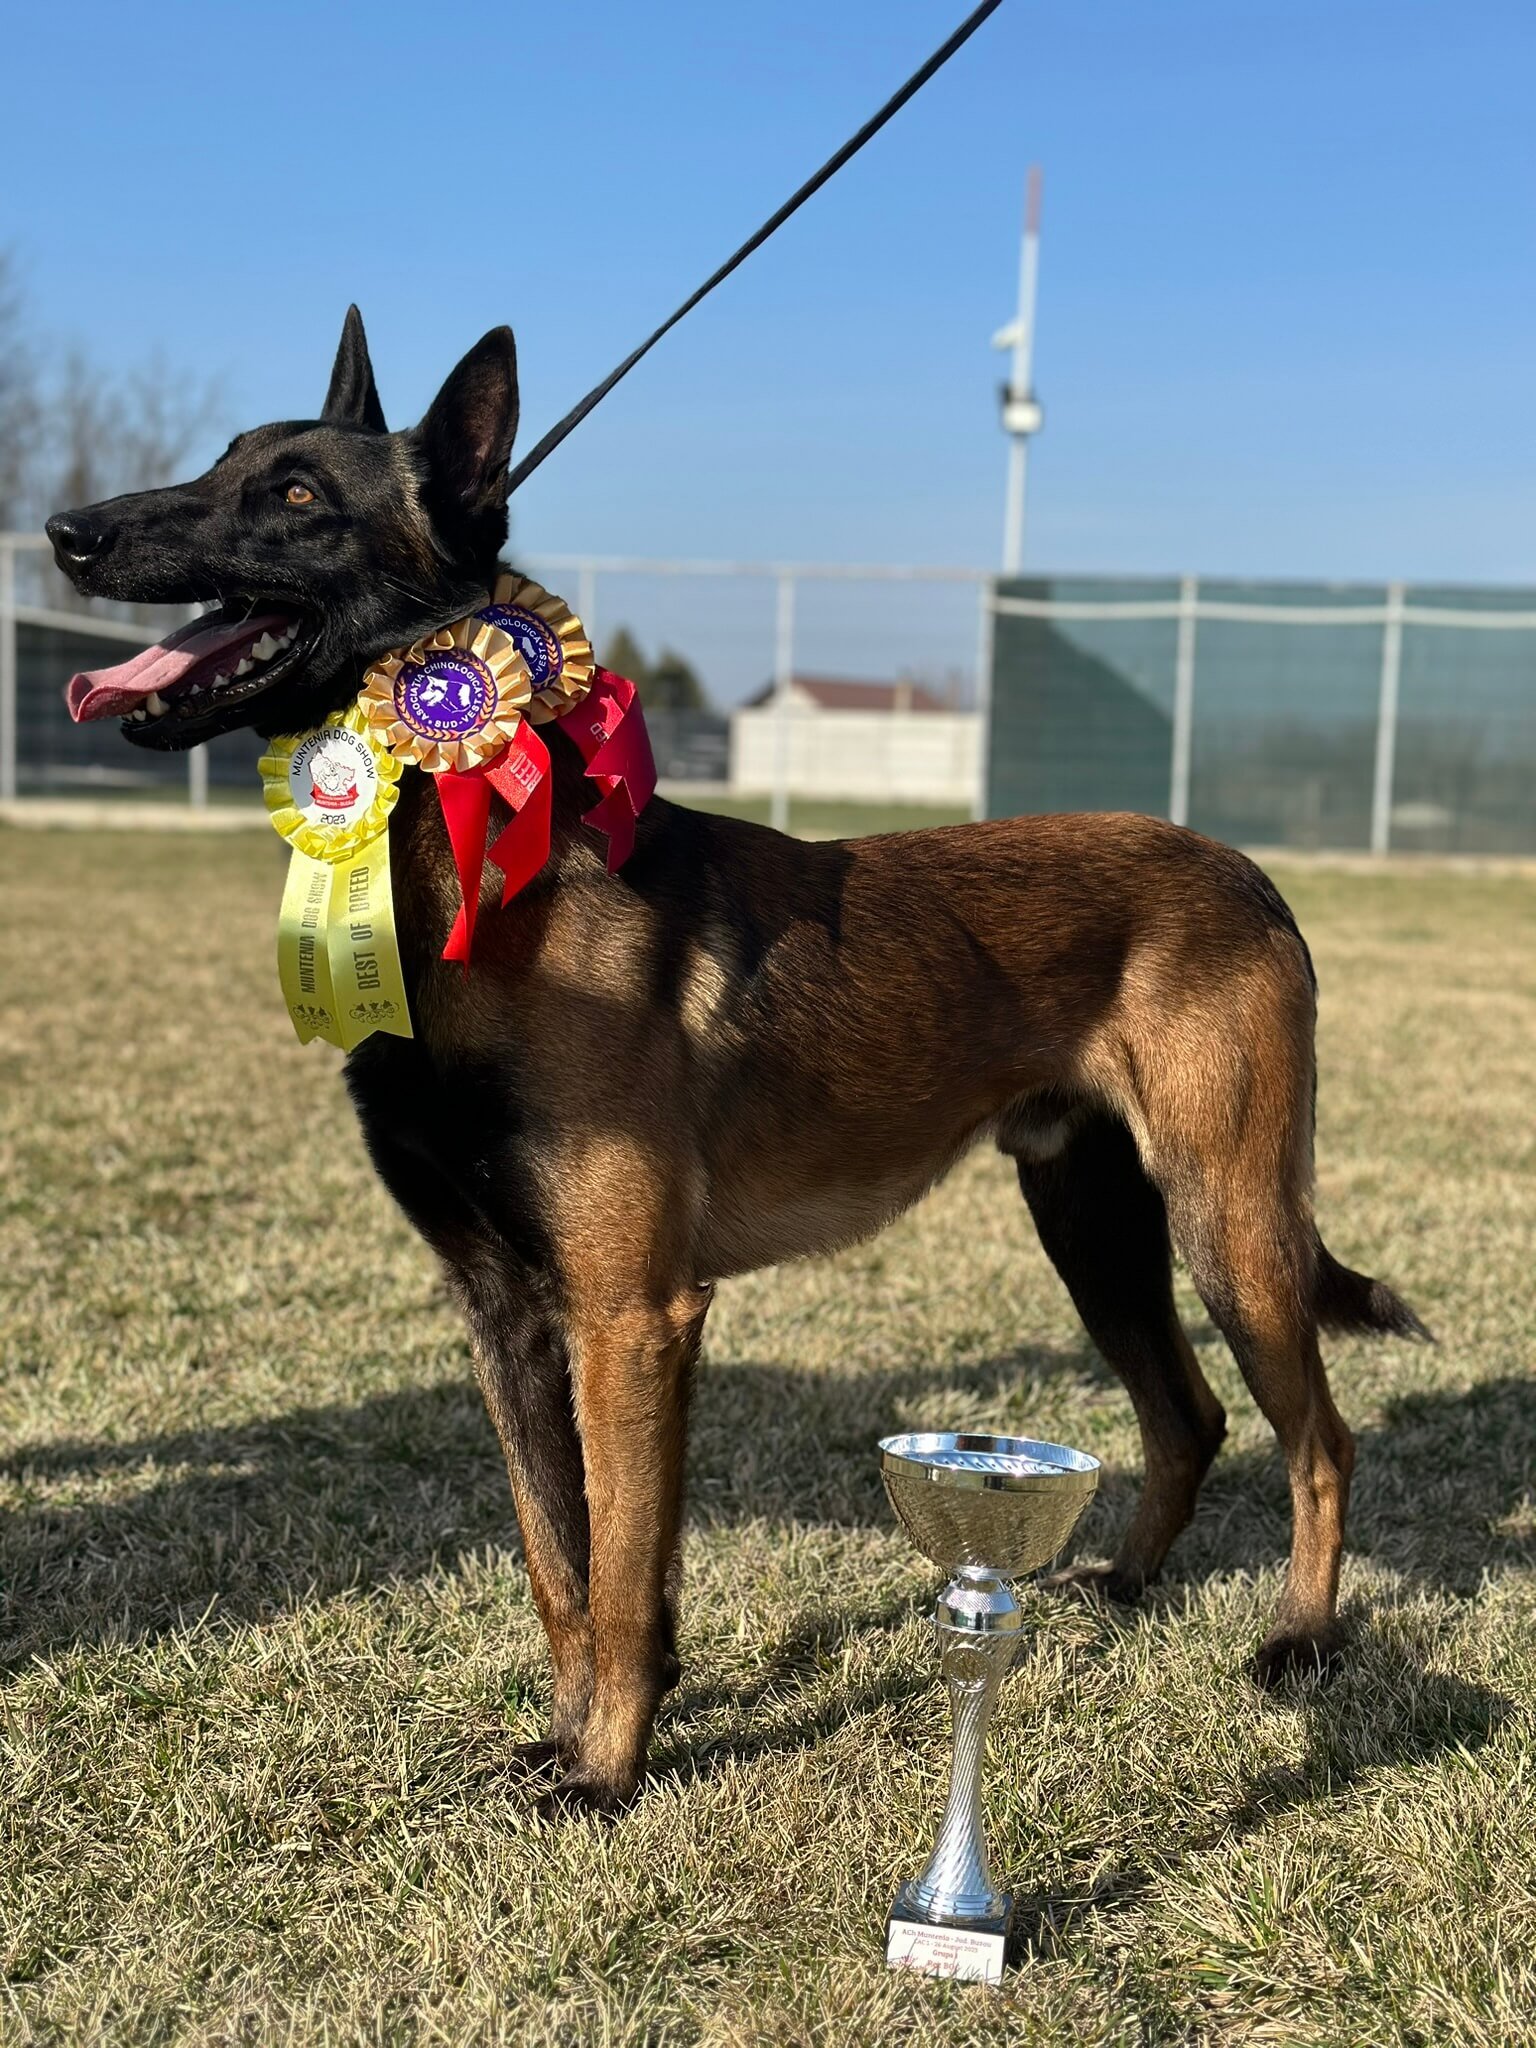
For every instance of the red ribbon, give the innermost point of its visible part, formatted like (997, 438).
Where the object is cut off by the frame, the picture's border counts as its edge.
(609, 728)
(519, 775)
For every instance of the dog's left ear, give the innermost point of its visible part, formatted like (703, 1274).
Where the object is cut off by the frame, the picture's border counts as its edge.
(353, 396)
(470, 426)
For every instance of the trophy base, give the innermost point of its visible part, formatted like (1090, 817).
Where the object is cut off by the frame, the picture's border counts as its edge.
(973, 1950)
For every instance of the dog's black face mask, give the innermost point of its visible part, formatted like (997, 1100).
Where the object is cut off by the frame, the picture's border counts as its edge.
(318, 544)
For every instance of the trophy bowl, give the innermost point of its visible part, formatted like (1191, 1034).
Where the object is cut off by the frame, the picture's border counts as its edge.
(996, 1504)
(985, 1508)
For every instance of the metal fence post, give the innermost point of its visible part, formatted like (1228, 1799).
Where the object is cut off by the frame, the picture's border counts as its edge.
(1183, 702)
(986, 591)
(7, 672)
(783, 681)
(197, 757)
(1386, 720)
(586, 600)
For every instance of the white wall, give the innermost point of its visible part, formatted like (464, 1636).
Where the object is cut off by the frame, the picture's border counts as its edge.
(929, 757)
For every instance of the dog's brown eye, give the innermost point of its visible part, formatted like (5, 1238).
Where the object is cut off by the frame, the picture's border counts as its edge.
(300, 494)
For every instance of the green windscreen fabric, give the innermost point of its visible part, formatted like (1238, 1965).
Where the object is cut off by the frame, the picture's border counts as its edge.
(1082, 710)
(1284, 711)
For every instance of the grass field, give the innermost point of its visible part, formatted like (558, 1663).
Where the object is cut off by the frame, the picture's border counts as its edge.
(266, 1637)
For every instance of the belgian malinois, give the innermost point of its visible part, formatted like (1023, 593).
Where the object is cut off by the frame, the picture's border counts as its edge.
(742, 1049)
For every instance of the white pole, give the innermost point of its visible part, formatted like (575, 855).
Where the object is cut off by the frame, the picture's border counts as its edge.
(586, 599)
(7, 673)
(984, 631)
(1013, 517)
(783, 681)
(1386, 721)
(1183, 702)
(1020, 417)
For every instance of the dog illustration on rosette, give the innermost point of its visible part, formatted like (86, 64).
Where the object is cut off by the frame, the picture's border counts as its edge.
(737, 1048)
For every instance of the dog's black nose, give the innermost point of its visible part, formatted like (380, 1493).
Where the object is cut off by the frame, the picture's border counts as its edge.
(77, 539)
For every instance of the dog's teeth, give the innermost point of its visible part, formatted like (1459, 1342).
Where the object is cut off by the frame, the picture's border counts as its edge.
(244, 666)
(138, 716)
(156, 703)
(265, 648)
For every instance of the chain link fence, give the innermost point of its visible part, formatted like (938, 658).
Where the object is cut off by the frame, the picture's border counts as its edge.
(1266, 714)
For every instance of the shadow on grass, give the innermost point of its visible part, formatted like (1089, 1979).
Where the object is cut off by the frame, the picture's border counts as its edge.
(263, 1515)
(1383, 1710)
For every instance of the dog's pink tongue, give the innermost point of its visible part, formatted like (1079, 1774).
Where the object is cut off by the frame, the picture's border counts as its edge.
(113, 692)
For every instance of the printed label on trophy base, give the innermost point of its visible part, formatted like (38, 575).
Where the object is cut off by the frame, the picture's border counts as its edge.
(975, 1953)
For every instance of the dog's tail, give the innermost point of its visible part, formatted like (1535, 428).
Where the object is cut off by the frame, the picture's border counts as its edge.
(1353, 1301)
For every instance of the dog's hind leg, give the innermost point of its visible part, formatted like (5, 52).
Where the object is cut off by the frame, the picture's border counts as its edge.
(1104, 1228)
(1253, 1265)
(1229, 1140)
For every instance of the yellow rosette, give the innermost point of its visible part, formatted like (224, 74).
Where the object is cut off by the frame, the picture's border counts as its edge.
(329, 793)
(551, 640)
(452, 700)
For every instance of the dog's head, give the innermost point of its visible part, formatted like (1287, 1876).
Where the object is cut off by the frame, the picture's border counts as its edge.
(317, 544)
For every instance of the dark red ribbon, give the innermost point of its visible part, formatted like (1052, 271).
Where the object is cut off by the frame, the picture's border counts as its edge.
(609, 728)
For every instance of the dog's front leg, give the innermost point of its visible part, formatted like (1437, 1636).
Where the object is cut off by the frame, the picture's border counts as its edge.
(520, 1362)
(633, 1368)
(515, 1312)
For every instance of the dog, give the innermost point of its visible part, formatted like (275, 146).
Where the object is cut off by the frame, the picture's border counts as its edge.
(742, 1049)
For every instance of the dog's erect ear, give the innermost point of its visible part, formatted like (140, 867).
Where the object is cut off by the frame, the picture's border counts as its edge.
(353, 396)
(470, 426)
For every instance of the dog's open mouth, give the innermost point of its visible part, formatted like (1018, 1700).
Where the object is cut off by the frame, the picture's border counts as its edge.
(231, 653)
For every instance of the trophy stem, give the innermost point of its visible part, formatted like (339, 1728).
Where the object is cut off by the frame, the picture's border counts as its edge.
(978, 1624)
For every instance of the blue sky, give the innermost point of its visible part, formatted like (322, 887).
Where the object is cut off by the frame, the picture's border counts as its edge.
(1288, 308)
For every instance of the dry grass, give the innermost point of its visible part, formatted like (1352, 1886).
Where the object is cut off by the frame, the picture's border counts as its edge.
(266, 1637)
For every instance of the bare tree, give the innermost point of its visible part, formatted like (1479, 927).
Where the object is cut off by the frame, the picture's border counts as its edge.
(20, 406)
(78, 433)
(126, 434)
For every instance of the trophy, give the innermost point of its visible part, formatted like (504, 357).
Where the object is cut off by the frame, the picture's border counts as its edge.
(985, 1508)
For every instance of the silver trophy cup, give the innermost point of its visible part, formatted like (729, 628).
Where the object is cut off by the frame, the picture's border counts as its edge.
(985, 1508)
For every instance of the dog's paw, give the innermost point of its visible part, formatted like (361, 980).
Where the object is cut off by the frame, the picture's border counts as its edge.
(580, 1794)
(1284, 1657)
(1097, 1582)
(534, 1760)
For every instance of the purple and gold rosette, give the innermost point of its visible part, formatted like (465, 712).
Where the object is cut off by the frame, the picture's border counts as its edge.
(452, 700)
(549, 637)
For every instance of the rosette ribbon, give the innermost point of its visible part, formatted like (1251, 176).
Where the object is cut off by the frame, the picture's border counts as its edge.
(463, 703)
(329, 794)
(609, 727)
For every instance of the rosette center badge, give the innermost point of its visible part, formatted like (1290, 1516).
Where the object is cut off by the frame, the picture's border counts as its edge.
(333, 780)
(445, 696)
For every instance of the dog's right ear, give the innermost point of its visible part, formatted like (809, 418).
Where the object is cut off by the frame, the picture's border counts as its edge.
(471, 424)
(353, 396)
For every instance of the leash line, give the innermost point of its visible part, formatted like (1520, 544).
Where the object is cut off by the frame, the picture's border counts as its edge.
(812, 185)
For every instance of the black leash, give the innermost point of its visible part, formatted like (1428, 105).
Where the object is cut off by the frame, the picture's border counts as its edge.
(915, 83)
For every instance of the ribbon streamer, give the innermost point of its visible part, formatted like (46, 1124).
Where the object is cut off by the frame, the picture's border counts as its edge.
(609, 727)
(337, 956)
(519, 775)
